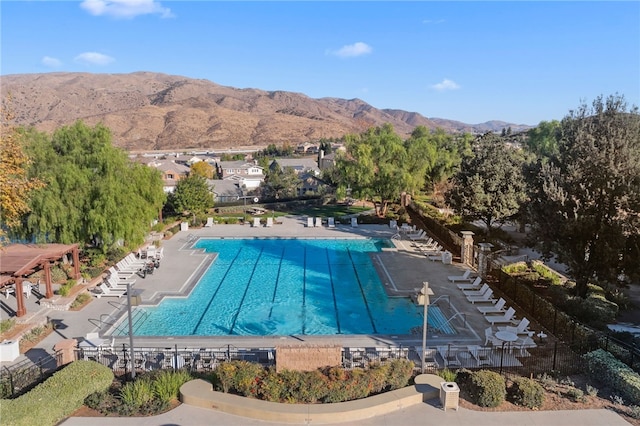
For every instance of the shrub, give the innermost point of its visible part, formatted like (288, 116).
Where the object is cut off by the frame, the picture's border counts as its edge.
(576, 395)
(450, 375)
(137, 394)
(515, 268)
(80, 300)
(246, 378)
(634, 411)
(166, 384)
(546, 273)
(58, 275)
(526, 392)
(59, 396)
(6, 325)
(591, 391)
(487, 388)
(400, 371)
(603, 366)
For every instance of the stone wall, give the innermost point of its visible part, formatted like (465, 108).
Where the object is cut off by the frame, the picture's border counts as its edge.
(307, 357)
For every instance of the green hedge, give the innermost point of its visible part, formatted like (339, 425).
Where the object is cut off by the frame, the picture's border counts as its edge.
(606, 368)
(58, 397)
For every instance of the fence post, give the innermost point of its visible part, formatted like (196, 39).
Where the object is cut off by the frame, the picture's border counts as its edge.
(175, 357)
(124, 356)
(555, 354)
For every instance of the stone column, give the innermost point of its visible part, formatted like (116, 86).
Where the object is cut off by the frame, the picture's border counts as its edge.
(483, 259)
(466, 255)
(47, 280)
(65, 350)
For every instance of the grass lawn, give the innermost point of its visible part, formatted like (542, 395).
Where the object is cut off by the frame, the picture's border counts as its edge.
(331, 210)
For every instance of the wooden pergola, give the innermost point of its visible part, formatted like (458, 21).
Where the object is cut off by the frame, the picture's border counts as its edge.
(20, 260)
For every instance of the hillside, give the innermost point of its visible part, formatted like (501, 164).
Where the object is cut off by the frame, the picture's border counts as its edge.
(153, 111)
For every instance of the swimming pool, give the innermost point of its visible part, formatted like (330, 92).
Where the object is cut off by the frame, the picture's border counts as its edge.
(261, 287)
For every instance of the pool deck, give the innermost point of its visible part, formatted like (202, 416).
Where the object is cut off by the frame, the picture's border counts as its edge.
(402, 271)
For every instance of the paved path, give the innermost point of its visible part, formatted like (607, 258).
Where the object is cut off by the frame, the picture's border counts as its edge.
(423, 414)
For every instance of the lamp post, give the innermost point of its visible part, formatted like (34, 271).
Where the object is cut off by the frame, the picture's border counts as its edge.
(423, 299)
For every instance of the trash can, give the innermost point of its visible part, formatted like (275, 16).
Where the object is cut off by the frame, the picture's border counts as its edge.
(447, 258)
(9, 350)
(449, 395)
(184, 226)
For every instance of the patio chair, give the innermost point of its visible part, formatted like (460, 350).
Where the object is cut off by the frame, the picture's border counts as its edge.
(490, 338)
(498, 308)
(354, 222)
(318, 222)
(421, 235)
(269, 222)
(436, 257)
(121, 275)
(331, 222)
(449, 355)
(209, 223)
(466, 276)
(256, 222)
(502, 319)
(475, 285)
(481, 355)
(431, 249)
(7, 290)
(393, 224)
(309, 222)
(26, 288)
(486, 298)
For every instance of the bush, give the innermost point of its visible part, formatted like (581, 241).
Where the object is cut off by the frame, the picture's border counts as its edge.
(6, 325)
(59, 396)
(487, 388)
(166, 384)
(606, 368)
(526, 392)
(576, 395)
(137, 394)
(515, 268)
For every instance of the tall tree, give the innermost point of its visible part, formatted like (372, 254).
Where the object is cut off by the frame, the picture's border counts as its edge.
(542, 140)
(376, 166)
(490, 185)
(94, 194)
(586, 205)
(15, 185)
(203, 169)
(192, 195)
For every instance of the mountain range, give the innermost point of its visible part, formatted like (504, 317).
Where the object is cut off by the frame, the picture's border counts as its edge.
(154, 111)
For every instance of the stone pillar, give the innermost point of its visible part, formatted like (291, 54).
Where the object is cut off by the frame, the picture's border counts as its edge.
(65, 350)
(76, 264)
(483, 259)
(466, 255)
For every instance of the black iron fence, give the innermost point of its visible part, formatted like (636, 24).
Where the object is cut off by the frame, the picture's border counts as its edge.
(21, 377)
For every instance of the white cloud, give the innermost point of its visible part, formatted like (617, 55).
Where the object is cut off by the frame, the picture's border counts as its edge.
(93, 58)
(50, 62)
(125, 8)
(445, 85)
(351, 50)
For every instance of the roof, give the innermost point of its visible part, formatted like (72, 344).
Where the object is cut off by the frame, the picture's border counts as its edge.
(22, 259)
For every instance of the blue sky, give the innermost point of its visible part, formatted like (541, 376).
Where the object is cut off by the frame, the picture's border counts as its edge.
(521, 62)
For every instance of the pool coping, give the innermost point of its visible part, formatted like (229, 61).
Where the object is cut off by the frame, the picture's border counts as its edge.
(200, 393)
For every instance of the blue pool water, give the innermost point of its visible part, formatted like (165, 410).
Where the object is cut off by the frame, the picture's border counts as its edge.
(259, 287)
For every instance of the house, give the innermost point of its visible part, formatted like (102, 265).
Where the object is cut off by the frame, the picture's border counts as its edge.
(247, 175)
(171, 172)
(326, 161)
(311, 184)
(299, 165)
(225, 191)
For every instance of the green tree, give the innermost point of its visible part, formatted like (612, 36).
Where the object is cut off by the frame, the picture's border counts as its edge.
(376, 166)
(280, 184)
(543, 139)
(586, 204)
(192, 195)
(94, 193)
(490, 185)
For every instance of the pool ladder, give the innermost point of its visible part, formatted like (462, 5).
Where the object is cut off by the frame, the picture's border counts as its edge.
(454, 316)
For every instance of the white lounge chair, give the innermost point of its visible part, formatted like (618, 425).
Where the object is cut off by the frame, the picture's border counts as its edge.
(436, 257)
(521, 328)
(506, 318)
(498, 308)
(490, 338)
(115, 283)
(309, 222)
(269, 222)
(393, 224)
(105, 290)
(318, 222)
(209, 223)
(331, 222)
(436, 248)
(354, 222)
(484, 298)
(121, 275)
(466, 276)
(419, 236)
(475, 285)
(485, 287)
(256, 222)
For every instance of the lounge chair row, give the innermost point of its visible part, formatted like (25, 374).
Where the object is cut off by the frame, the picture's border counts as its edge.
(331, 222)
